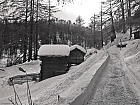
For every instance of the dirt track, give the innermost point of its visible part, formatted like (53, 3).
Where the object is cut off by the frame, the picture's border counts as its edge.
(113, 87)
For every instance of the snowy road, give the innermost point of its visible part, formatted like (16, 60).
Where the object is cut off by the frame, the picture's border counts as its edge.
(113, 87)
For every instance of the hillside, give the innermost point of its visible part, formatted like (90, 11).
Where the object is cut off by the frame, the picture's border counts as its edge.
(73, 83)
(115, 86)
(46, 91)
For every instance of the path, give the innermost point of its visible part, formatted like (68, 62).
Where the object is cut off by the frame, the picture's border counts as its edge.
(113, 87)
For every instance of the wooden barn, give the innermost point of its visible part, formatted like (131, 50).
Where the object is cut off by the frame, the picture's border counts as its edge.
(77, 54)
(136, 34)
(54, 60)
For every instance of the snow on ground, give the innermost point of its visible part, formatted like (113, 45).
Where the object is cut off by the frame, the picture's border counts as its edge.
(80, 85)
(133, 48)
(46, 92)
(90, 52)
(131, 57)
(5, 89)
(119, 36)
(116, 84)
(3, 62)
(29, 67)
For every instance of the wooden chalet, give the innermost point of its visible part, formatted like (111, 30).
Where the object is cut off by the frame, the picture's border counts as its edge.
(77, 54)
(54, 60)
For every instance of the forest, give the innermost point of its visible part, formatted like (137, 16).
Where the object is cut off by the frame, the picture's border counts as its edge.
(27, 24)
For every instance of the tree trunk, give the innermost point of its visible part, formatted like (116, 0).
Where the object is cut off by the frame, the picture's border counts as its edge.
(101, 28)
(112, 29)
(113, 35)
(129, 18)
(123, 17)
(25, 36)
(36, 37)
(94, 32)
(49, 21)
(31, 32)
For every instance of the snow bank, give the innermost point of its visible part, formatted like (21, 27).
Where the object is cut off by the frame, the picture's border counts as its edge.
(132, 48)
(133, 58)
(29, 67)
(133, 63)
(82, 87)
(90, 52)
(76, 80)
(46, 92)
(130, 57)
(54, 50)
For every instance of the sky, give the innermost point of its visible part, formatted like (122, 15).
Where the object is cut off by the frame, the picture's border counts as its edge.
(84, 8)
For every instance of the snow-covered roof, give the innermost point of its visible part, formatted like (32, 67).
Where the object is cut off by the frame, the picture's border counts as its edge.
(54, 50)
(78, 47)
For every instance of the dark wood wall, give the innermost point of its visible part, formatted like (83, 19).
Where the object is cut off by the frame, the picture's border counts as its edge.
(76, 56)
(53, 66)
(137, 35)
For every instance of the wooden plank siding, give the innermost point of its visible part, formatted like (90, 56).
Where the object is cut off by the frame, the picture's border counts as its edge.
(76, 56)
(137, 35)
(53, 66)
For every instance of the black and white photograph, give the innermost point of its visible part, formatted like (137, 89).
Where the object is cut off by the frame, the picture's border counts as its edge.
(69, 52)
